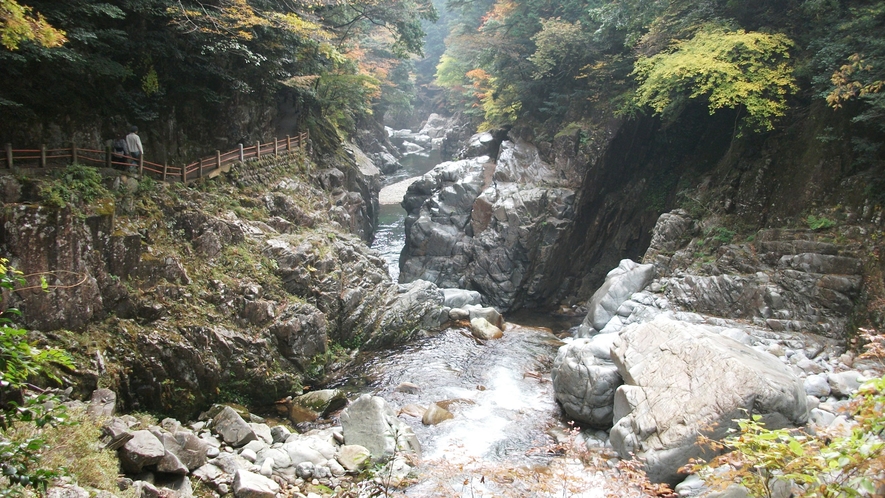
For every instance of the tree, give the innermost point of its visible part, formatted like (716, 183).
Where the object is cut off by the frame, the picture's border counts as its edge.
(741, 70)
(17, 24)
(19, 363)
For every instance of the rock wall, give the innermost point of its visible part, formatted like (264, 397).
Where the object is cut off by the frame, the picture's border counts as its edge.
(233, 288)
(554, 215)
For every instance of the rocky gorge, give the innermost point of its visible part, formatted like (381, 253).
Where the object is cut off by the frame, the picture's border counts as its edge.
(253, 287)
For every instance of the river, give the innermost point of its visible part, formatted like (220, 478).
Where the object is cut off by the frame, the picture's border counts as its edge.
(507, 432)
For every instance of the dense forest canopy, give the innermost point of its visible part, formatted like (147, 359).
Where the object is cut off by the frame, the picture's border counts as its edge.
(211, 68)
(217, 72)
(549, 63)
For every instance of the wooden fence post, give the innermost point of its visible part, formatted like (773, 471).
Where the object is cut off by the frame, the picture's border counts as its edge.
(218, 159)
(200, 172)
(43, 155)
(73, 153)
(9, 156)
(288, 144)
(107, 157)
(258, 149)
(165, 169)
(184, 174)
(141, 164)
(241, 152)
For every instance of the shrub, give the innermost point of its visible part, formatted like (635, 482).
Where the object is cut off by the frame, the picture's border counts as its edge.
(819, 223)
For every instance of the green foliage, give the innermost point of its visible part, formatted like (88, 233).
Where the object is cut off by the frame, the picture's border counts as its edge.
(821, 465)
(730, 69)
(74, 185)
(819, 223)
(722, 235)
(18, 24)
(19, 362)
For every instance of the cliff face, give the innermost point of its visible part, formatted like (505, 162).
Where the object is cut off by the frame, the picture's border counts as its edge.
(239, 288)
(541, 229)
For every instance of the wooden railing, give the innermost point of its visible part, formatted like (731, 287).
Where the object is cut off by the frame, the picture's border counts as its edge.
(207, 166)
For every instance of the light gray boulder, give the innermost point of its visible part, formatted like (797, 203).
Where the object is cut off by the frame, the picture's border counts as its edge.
(621, 283)
(370, 422)
(817, 385)
(308, 449)
(144, 449)
(585, 380)
(232, 428)
(250, 485)
(459, 298)
(681, 380)
(843, 384)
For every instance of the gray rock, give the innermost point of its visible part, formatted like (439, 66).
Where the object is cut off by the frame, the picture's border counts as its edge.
(817, 385)
(305, 470)
(144, 449)
(660, 410)
(585, 379)
(822, 418)
(102, 404)
(66, 491)
(249, 455)
(620, 283)
(459, 298)
(232, 428)
(488, 314)
(408, 388)
(843, 384)
(181, 487)
(250, 485)
(371, 423)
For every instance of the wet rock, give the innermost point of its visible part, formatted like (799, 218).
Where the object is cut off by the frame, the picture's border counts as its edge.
(251, 485)
(435, 414)
(371, 423)
(408, 387)
(482, 329)
(660, 410)
(585, 380)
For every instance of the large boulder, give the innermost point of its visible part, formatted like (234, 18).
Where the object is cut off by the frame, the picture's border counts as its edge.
(143, 450)
(585, 379)
(232, 428)
(620, 283)
(681, 381)
(370, 422)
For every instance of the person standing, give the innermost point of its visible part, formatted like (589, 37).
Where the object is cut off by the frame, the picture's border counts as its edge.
(133, 144)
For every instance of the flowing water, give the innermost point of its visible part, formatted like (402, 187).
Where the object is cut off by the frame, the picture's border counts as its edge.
(507, 429)
(390, 237)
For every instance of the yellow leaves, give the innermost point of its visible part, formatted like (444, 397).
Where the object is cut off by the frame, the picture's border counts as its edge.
(299, 26)
(229, 17)
(846, 87)
(729, 68)
(18, 24)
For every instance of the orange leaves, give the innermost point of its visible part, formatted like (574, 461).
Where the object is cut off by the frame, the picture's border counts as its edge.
(847, 87)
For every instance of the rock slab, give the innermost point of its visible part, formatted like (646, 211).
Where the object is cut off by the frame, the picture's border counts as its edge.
(681, 380)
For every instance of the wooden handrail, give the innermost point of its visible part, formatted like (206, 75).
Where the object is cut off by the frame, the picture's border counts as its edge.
(205, 166)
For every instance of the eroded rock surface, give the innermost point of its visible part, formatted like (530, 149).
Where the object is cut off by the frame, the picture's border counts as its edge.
(681, 381)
